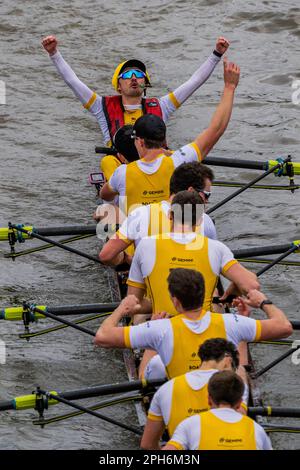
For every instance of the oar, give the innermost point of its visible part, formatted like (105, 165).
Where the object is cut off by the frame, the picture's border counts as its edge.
(263, 250)
(124, 398)
(53, 242)
(89, 411)
(280, 165)
(276, 361)
(275, 342)
(46, 246)
(281, 428)
(249, 164)
(63, 231)
(34, 334)
(279, 412)
(267, 261)
(60, 320)
(291, 250)
(26, 402)
(16, 313)
(275, 187)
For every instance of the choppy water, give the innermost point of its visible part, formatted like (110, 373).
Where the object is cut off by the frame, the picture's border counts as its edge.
(47, 151)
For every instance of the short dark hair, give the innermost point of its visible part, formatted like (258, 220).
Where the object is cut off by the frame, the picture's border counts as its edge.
(226, 387)
(154, 144)
(215, 349)
(187, 285)
(189, 175)
(152, 129)
(187, 207)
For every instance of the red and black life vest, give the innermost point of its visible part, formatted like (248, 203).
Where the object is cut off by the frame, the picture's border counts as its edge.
(114, 111)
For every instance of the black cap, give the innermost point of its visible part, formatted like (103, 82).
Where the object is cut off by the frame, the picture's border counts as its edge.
(150, 127)
(124, 143)
(134, 63)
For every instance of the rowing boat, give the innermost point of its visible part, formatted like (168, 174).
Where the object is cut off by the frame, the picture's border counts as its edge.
(20, 233)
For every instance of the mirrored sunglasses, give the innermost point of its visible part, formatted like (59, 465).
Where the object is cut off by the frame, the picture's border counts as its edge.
(130, 73)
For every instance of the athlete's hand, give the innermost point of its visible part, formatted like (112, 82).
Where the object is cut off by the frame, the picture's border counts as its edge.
(231, 74)
(222, 45)
(50, 44)
(242, 307)
(159, 315)
(130, 305)
(231, 290)
(255, 298)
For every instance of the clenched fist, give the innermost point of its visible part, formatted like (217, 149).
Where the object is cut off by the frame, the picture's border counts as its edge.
(50, 44)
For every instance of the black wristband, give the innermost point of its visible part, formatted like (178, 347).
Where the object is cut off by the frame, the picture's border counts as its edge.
(265, 302)
(218, 54)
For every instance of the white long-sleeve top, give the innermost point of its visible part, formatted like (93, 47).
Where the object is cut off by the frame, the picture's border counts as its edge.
(169, 103)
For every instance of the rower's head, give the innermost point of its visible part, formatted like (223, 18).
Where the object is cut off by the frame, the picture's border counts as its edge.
(149, 132)
(192, 176)
(218, 353)
(131, 78)
(186, 212)
(186, 289)
(225, 390)
(124, 144)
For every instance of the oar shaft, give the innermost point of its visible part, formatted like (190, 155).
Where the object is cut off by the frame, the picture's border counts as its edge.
(261, 251)
(236, 163)
(274, 411)
(65, 231)
(246, 186)
(277, 260)
(82, 309)
(275, 362)
(93, 413)
(110, 389)
(63, 320)
(60, 245)
(16, 313)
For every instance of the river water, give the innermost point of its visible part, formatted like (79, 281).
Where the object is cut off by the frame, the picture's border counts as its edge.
(47, 152)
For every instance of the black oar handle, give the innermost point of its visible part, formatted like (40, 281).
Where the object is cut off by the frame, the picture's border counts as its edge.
(106, 150)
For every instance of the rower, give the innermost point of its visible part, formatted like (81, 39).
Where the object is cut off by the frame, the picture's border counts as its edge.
(177, 339)
(186, 394)
(182, 247)
(222, 427)
(153, 218)
(126, 153)
(147, 180)
(130, 80)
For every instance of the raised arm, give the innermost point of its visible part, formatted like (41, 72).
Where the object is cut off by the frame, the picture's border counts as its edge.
(86, 96)
(210, 136)
(175, 99)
